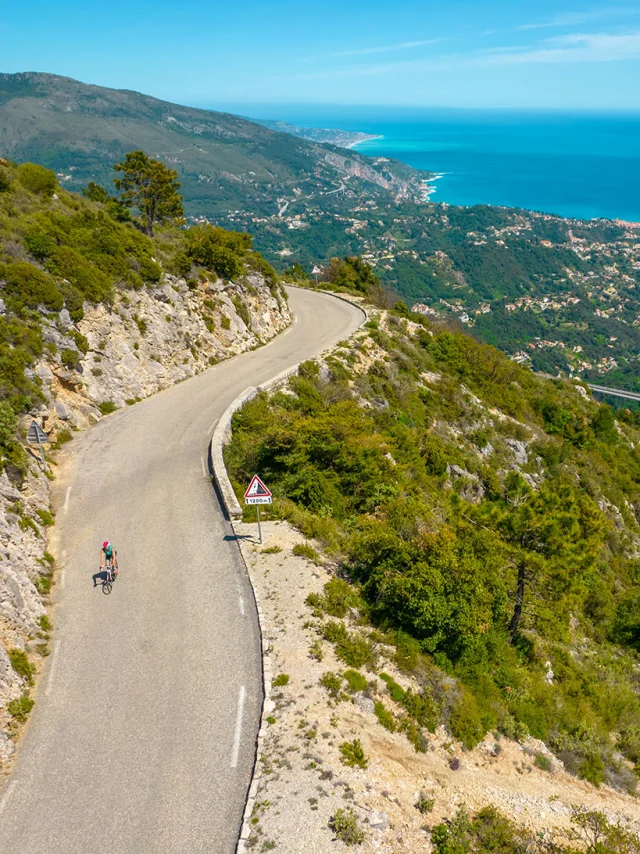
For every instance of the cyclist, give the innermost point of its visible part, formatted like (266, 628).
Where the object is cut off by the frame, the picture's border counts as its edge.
(109, 559)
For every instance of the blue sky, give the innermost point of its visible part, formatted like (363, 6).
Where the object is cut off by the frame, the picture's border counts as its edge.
(457, 53)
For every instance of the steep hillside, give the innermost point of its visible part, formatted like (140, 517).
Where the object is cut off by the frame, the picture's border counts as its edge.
(225, 162)
(483, 523)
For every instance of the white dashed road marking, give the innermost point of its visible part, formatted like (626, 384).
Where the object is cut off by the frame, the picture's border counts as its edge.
(66, 500)
(242, 606)
(236, 738)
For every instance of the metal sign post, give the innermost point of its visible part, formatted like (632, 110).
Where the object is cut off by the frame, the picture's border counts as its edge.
(36, 436)
(257, 493)
(315, 272)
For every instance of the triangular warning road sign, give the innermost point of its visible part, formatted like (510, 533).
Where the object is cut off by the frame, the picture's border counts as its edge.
(36, 434)
(257, 492)
(257, 487)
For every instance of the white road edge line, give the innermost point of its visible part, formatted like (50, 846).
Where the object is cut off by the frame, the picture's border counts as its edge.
(212, 428)
(52, 668)
(236, 738)
(242, 606)
(66, 500)
(204, 471)
(7, 795)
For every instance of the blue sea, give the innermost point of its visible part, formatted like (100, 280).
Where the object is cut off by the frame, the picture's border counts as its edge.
(573, 164)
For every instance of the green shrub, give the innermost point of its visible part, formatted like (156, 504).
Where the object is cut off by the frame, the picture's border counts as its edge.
(279, 681)
(8, 424)
(218, 250)
(43, 584)
(225, 322)
(150, 271)
(397, 691)
(542, 762)
(353, 754)
(241, 310)
(40, 245)
(80, 341)
(339, 598)
(74, 302)
(305, 550)
(424, 804)
(21, 664)
(271, 550)
(384, 716)
(355, 681)
(5, 181)
(422, 708)
(69, 359)
(46, 517)
(141, 323)
(346, 828)
(466, 722)
(414, 733)
(19, 708)
(89, 279)
(37, 179)
(333, 683)
(316, 651)
(592, 769)
(27, 285)
(354, 650)
(45, 623)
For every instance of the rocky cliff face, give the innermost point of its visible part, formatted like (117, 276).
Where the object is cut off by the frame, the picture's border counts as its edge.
(148, 340)
(153, 338)
(403, 188)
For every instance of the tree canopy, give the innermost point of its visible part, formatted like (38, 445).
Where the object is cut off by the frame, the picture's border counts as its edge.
(150, 187)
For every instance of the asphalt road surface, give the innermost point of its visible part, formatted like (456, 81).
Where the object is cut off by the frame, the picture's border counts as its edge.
(615, 392)
(143, 734)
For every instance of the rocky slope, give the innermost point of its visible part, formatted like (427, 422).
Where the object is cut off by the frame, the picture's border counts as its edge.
(302, 778)
(146, 341)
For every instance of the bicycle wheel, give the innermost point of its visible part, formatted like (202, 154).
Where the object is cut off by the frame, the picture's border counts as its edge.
(107, 587)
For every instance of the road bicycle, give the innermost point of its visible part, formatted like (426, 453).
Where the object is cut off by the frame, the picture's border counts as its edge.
(111, 575)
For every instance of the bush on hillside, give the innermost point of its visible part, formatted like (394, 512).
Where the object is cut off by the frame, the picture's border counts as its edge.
(352, 274)
(5, 180)
(26, 285)
(69, 264)
(37, 179)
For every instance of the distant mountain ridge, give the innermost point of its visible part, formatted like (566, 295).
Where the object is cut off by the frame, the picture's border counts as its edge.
(225, 162)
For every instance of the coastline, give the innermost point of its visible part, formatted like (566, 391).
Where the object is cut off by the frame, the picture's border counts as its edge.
(507, 165)
(366, 139)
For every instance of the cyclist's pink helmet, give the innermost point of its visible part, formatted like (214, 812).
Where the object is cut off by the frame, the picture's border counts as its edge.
(105, 544)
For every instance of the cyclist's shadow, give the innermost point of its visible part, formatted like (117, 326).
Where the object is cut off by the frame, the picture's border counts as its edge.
(99, 577)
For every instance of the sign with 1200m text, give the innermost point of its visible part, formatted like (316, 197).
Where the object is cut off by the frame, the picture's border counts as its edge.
(257, 492)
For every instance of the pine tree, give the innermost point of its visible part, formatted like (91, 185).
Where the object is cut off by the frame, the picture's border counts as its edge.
(151, 187)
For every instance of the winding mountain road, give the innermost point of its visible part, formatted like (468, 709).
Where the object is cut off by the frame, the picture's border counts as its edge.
(142, 738)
